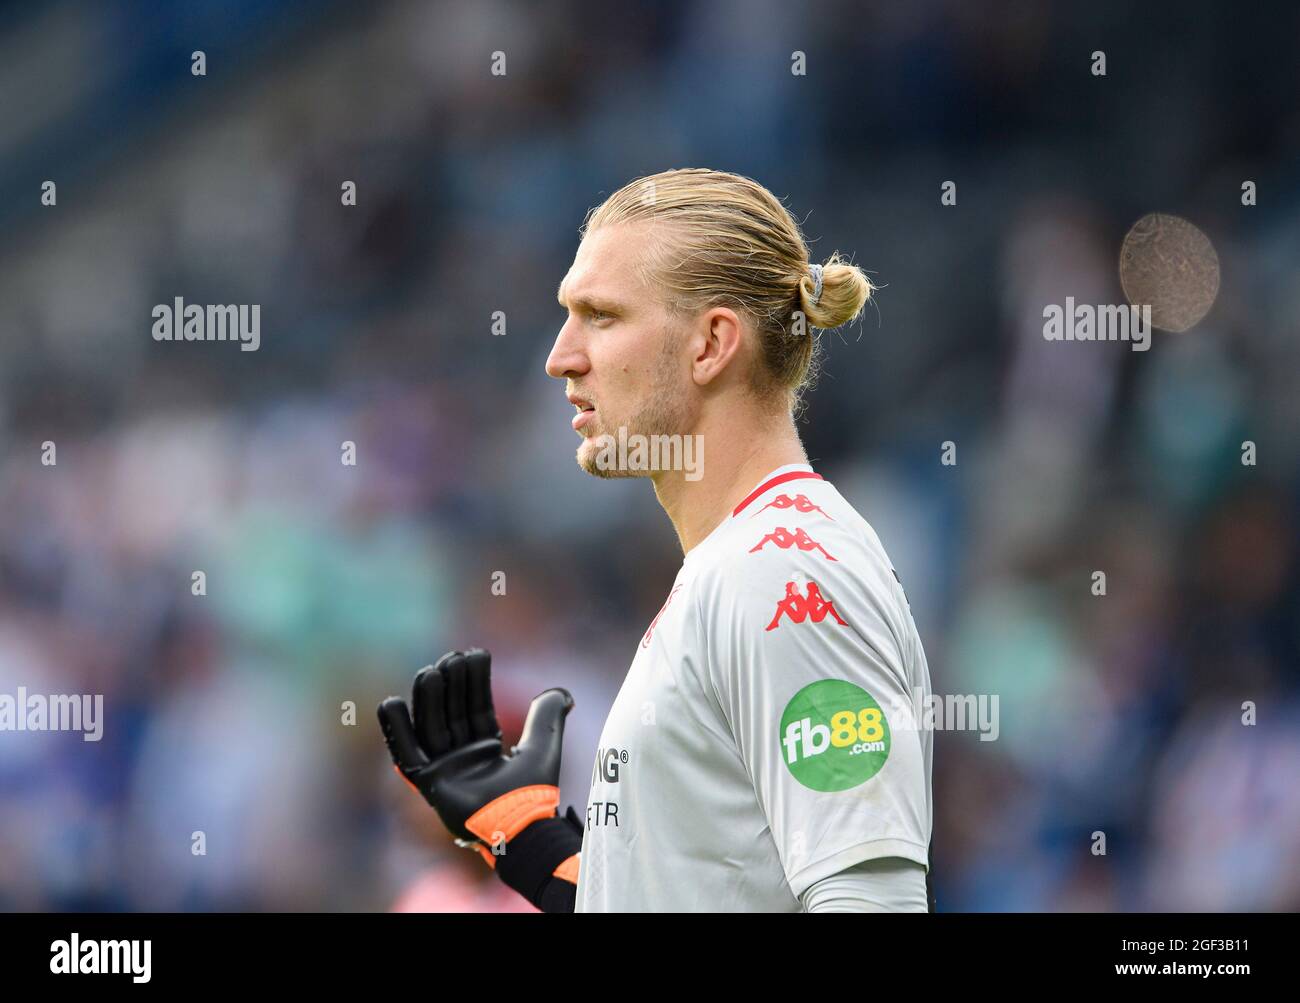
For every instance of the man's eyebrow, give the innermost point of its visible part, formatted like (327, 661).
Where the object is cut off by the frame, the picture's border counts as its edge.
(588, 302)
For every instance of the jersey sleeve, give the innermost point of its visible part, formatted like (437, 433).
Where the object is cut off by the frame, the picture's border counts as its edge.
(885, 884)
(806, 659)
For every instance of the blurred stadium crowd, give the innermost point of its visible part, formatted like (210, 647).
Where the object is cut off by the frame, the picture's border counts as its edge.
(326, 583)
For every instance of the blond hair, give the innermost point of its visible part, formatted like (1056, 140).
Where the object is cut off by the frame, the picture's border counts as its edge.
(728, 241)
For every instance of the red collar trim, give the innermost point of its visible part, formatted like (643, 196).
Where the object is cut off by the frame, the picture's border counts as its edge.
(793, 475)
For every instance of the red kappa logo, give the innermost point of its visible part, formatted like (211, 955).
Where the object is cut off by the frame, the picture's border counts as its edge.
(784, 539)
(799, 503)
(799, 608)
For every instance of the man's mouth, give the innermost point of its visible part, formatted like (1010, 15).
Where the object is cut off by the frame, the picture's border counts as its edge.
(583, 416)
(586, 410)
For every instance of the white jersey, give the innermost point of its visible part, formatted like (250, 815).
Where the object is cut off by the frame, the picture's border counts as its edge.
(766, 734)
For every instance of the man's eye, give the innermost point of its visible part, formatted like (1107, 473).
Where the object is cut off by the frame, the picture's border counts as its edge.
(601, 315)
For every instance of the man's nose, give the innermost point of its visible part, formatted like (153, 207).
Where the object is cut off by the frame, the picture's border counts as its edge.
(567, 358)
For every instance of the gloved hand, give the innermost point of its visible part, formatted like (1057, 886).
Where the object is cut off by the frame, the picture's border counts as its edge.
(450, 751)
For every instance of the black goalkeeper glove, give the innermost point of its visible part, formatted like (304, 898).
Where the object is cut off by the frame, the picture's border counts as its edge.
(504, 806)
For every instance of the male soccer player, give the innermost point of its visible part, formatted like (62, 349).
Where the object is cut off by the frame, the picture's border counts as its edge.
(764, 752)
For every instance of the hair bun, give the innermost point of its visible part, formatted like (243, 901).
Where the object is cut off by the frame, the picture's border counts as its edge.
(834, 293)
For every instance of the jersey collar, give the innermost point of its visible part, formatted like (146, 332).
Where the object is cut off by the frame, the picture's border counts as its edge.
(790, 472)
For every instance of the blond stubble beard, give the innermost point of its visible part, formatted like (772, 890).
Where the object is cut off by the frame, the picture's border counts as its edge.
(667, 412)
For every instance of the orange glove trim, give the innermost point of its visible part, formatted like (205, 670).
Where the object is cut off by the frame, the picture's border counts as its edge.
(512, 812)
(568, 871)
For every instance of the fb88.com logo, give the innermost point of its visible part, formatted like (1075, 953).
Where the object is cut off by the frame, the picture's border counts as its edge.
(833, 735)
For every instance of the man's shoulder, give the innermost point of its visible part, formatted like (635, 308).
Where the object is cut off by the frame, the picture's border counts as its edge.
(804, 530)
(799, 572)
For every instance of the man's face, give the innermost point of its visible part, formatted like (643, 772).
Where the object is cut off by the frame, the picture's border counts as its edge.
(625, 361)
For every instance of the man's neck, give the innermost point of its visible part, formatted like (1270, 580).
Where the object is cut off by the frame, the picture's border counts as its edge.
(732, 467)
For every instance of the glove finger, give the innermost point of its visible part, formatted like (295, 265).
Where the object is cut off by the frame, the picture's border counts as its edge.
(455, 675)
(430, 698)
(482, 715)
(399, 735)
(543, 737)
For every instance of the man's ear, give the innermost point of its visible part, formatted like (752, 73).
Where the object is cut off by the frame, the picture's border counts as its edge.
(716, 343)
